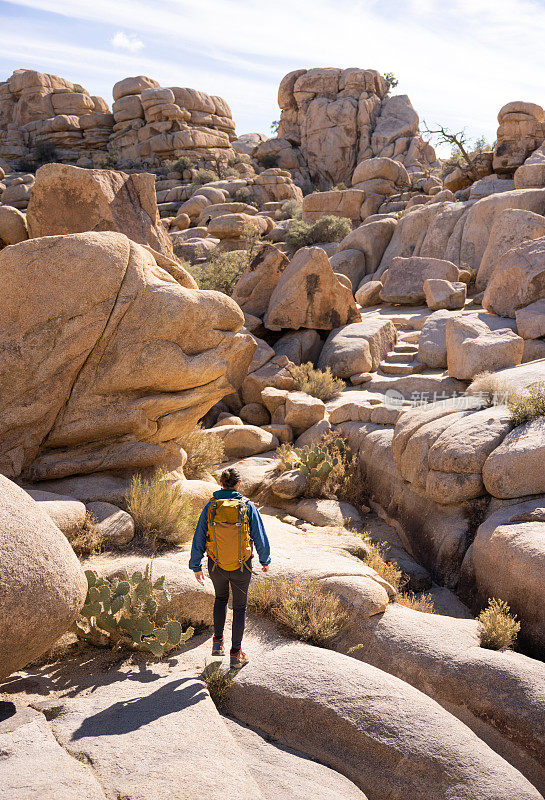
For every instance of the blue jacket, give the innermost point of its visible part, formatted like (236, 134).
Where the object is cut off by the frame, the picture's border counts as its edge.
(257, 531)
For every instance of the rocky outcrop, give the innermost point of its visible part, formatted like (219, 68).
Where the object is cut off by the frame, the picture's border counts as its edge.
(154, 123)
(42, 586)
(520, 132)
(67, 199)
(333, 119)
(106, 365)
(40, 111)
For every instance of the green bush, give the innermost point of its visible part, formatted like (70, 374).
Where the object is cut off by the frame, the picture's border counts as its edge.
(160, 512)
(26, 164)
(87, 540)
(205, 452)
(111, 161)
(221, 272)
(202, 176)
(243, 195)
(316, 382)
(498, 628)
(291, 209)
(218, 681)
(528, 404)
(121, 612)
(45, 153)
(326, 229)
(240, 158)
(182, 164)
(301, 606)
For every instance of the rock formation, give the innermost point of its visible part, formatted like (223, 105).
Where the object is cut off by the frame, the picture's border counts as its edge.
(40, 110)
(108, 357)
(332, 119)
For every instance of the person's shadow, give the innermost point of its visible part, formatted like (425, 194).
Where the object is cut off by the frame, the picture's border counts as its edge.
(130, 715)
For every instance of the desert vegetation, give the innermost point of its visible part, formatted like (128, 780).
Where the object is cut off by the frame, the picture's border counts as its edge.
(161, 513)
(320, 383)
(498, 627)
(326, 229)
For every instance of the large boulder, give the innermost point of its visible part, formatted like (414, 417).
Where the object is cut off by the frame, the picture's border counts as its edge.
(346, 203)
(404, 282)
(531, 320)
(241, 441)
(508, 562)
(257, 283)
(359, 347)
(372, 238)
(308, 295)
(108, 369)
(432, 344)
(299, 346)
(472, 347)
(441, 294)
(520, 132)
(515, 468)
(509, 229)
(351, 264)
(42, 586)
(532, 172)
(518, 280)
(67, 199)
(12, 226)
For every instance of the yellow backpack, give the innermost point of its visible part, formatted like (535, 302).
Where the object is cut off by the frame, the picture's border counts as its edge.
(228, 541)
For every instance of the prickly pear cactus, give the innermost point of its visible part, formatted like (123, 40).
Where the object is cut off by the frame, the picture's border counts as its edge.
(121, 612)
(316, 461)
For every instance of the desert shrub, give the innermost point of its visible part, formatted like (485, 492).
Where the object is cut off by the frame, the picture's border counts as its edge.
(26, 164)
(418, 602)
(374, 554)
(301, 606)
(527, 404)
(492, 388)
(291, 209)
(121, 612)
(243, 195)
(240, 158)
(160, 512)
(320, 383)
(221, 271)
(202, 176)
(218, 681)
(268, 160)
(45, 153)
(340, 187)
(391, 80)
(87, 540)
(205, 452)
(287, 457)
(326, 229)
(111, 161)
(498, 628)
(182, 164)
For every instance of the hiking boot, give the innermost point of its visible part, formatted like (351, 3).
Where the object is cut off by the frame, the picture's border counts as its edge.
(238, 660)
(217, 647)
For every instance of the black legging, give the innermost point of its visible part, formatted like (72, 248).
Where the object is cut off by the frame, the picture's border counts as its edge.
(239, 582)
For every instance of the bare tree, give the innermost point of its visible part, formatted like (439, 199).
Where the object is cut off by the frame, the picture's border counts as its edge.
(458, 140)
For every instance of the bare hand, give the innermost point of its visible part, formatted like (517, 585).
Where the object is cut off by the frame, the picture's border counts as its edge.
(265, 568)
(200, 577)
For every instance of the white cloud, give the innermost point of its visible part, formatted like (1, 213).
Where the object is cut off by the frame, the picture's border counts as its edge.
(131, 42)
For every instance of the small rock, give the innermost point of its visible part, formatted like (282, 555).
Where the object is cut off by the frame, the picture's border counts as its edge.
(115, 525)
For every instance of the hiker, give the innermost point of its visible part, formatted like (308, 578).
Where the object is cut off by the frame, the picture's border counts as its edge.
(228, 525)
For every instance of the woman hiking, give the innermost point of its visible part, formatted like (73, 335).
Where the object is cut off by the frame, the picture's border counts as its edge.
(228, 527)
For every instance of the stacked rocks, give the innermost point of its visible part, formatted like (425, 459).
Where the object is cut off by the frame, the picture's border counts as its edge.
(37, 109)
(154, 123)
(521, 131)
(334, 119)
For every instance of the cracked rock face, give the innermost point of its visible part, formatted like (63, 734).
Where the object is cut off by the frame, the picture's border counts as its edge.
(108, 355)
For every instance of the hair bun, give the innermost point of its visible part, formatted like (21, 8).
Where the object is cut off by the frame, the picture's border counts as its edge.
(229, 478)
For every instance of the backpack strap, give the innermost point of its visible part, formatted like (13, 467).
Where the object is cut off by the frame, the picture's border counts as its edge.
(243, 522)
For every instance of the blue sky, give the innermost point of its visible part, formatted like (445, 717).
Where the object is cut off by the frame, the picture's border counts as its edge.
(459, 61)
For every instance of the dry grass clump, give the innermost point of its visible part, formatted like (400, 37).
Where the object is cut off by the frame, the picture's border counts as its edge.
(218, 681)
(326, 229)
(374, 554)
(87, 540)
(418, 602)
(498, 628)
(160, 512)
(527, 404)
(301, 606)
(493, 388)
(205, 452)
(316, 382)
